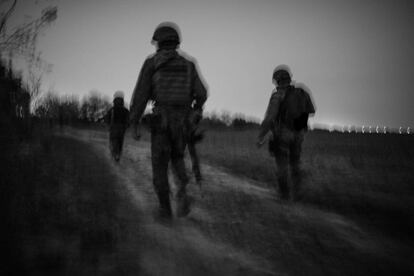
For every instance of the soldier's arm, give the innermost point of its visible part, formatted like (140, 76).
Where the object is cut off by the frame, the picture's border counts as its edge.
(310, 108)
(141, 93)
(270, 115)
(199, 91)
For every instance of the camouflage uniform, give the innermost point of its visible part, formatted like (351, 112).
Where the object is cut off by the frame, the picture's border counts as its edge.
(171, 81)
(118, 119)
(286, 117)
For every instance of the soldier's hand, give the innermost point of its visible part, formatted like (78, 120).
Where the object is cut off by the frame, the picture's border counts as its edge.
(136, 133)
(195, 117)
(260, 142)
(137, 136)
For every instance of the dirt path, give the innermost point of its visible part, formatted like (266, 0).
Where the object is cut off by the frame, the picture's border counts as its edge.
(237, 228)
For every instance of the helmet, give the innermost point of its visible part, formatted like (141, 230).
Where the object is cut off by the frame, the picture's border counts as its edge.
(282, 74)
(119, 94)
(166, 31)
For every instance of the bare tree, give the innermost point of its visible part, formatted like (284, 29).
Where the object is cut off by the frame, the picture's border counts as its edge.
(94, 106)
(21, 40)
(33, 86)
(7, 15)
(49, 106)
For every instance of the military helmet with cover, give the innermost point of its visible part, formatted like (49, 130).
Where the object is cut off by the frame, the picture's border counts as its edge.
(118, 98)
(282, 74)
(166, 31)
(119, 94)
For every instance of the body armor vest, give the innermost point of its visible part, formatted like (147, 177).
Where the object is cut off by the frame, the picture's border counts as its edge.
(171, 83)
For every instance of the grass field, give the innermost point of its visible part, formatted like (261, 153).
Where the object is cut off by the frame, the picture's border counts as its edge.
(346, 224)
(65, 209)
(368, 177)
(60, 210)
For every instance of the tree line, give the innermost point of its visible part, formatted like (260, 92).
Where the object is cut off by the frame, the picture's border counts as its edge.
(69, 110)
(22, 103)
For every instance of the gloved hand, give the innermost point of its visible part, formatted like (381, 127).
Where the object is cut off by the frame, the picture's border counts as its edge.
(136, 134)
(195, 117)
(260, 141)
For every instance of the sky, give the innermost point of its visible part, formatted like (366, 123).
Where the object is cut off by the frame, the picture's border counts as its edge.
(354, 56)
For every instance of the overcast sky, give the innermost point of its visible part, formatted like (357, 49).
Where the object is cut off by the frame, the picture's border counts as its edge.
(355, 56)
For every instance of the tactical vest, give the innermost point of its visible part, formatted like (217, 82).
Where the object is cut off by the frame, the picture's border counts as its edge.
(294, 110)
(118, 116)
(172, 82)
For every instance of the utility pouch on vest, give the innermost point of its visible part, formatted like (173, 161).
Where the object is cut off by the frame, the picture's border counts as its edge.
(158, 120)
(293, 112)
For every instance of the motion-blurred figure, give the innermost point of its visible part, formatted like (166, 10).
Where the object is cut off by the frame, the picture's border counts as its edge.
(172, 82)
(287, 118)
(117, 118)
(195, 135)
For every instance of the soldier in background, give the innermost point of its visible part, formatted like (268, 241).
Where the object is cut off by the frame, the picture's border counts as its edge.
(172, 83)
(287, 118)
(117, 118)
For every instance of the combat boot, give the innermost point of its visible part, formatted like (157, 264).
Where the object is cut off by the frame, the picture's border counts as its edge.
(198, 177)
(165, 206)
(297, 179)
(283, 190)
(183, 204)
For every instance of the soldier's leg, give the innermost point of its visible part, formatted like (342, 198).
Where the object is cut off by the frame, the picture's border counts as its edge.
(282, 161)
(117, 148)
(295, 165)
(180, 171)
(282, 157)
(194, 161)
(178, 144)
(121, 141)
(160, 155)
(112, 143)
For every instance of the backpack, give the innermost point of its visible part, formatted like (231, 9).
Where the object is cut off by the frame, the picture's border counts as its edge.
(295, 109)
(293, 113)
(117, 116)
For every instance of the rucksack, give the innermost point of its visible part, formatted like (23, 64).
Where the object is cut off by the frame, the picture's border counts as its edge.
(294, 109)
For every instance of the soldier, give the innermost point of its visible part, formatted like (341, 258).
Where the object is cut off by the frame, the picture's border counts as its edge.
(118, 120)
(286, 117)
(172, 83)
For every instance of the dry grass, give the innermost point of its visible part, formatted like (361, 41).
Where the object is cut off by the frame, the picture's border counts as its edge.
(60, 209)
(368, 177)
(63, 214)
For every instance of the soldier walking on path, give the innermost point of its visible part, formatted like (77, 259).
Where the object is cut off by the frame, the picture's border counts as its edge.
(118, 120)
(172, 83)
(287, 118)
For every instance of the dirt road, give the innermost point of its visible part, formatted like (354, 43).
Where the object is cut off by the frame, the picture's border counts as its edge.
(238, 228)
